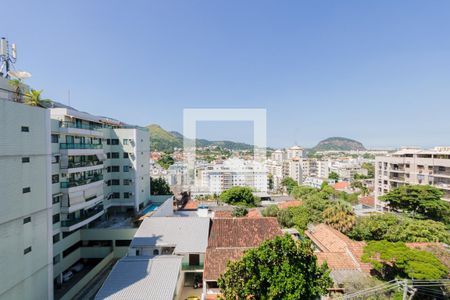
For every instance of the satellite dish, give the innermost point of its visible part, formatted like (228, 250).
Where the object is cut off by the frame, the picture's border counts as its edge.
(19, 74)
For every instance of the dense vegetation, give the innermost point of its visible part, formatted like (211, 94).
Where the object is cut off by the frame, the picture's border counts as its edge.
(281, 268)
(239, 195)
(159, 186)
(166, 161)
(393, 260)
(240, 211)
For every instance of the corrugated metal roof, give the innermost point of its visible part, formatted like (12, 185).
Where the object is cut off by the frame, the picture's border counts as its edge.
(139, 277)
(187, 235)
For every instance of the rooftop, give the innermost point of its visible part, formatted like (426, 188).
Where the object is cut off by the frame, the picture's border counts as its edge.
(187, 235)
(138, 277)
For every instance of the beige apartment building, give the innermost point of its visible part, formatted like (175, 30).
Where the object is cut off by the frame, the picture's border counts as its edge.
(413, 166)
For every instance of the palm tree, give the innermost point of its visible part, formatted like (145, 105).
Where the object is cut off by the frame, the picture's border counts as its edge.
(33, 98)
(340, 216)
(16, 84)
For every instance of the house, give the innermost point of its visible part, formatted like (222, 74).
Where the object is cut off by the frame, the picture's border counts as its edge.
(228, 239)
(143, 277)
(342, 254)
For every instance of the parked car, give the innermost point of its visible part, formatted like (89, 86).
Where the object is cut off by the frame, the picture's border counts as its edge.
(77, 268)
(67, 276)
(192, 298)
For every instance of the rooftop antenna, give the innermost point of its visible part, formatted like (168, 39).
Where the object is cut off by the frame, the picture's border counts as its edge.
(8, 57)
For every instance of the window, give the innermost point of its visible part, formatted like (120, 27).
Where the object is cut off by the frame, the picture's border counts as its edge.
(123, 243)
(125, 141)
(114, 141)
(115, 155)
(108, 155)
(126, 168)
(115, 182)
(26, 220)
(115, 169)
(125, 155)
(126, 182)
(26, 190)
(55, 159)
(56, 218)
(56, 238)
(56, 259)
(56, 199)
(25, 129)
(27, 250)
(25, 160)
(156, 252)
(108, 141)
(115, 196)
(126, 195)
(55, 178)
(55, 138)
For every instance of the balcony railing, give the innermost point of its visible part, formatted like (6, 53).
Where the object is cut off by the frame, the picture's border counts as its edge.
(66, 124)
(86, 214)
(187, 266)
(82, 181)
(82, 164)
(80, 146)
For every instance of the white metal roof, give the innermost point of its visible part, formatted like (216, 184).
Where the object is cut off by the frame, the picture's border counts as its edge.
(139, 277)
(187, 235)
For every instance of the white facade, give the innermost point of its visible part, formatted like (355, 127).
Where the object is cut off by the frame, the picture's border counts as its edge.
(413, 166)
(25, 201)
(294, 152)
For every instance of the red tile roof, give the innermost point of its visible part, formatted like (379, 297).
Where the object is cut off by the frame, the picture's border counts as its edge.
(289, 203)
(223, 214)
(216, 260)
(369, 201)
(254, 213)
(341, 185)
(334, 244)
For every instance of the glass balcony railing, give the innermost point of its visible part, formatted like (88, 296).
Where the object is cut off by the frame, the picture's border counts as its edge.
(81, 164)
(187, 266)
(81, 181)
(80, 146)
(84, 215)
(66, 124)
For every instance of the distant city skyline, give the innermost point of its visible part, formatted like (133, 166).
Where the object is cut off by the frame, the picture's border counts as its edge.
(383, 82)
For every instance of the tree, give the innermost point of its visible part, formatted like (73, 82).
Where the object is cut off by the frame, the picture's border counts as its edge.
(340, 216)
(396, 228)
(419, 201)
(166, 161)
(356, 184)
(159, 186)
(239, 211)
(280, 268)
(289, 183)
(393, 260)
(270, 211)
(334, 176)
(284, 217)
(239, 195)
(270, 182)
(370, 169)
(300, 192)
(33, 98)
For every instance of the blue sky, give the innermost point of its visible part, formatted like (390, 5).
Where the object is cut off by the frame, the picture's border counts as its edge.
(375, 71)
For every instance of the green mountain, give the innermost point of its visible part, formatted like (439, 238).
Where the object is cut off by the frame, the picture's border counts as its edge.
(338, 144)
(166, 141)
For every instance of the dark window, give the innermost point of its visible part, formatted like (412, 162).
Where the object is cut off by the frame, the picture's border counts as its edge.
(26, 190)
(27, 250)
(71, 249)
(115, 182)
(55, 178)
(126, 182)
(56, 238)
(126, 168)
(26, 220)
(156, 252)
(115, 169)
(125, 155)
(56, 259)
(126, 195)
(114, 141)
(25, 129)
(25, 159)
(108, 155)
(56, 199)
(123, 243)
(108, 141)
(55, 159)
(194, 259)
(67, 233)
(56, 218)
(55, 138)
(115, 195)
(115, 155)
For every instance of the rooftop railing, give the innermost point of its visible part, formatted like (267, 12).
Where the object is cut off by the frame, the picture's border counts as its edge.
(187, 266)
(67, 124)
(80, 146)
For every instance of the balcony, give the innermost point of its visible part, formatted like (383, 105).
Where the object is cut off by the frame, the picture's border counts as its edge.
(64, 146)
(80, 129)
(188, 267)
(81, 181)
(83, 164)
(68, 207)
(86, 216)
(66, 124)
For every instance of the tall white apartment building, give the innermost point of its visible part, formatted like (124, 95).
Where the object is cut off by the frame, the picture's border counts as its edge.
(294, 152)
(278, 156)
(25, 200)
(347, 169)
(234, 172)
(276, 169)
(98, 166)
(413, 166)
(293, 168)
